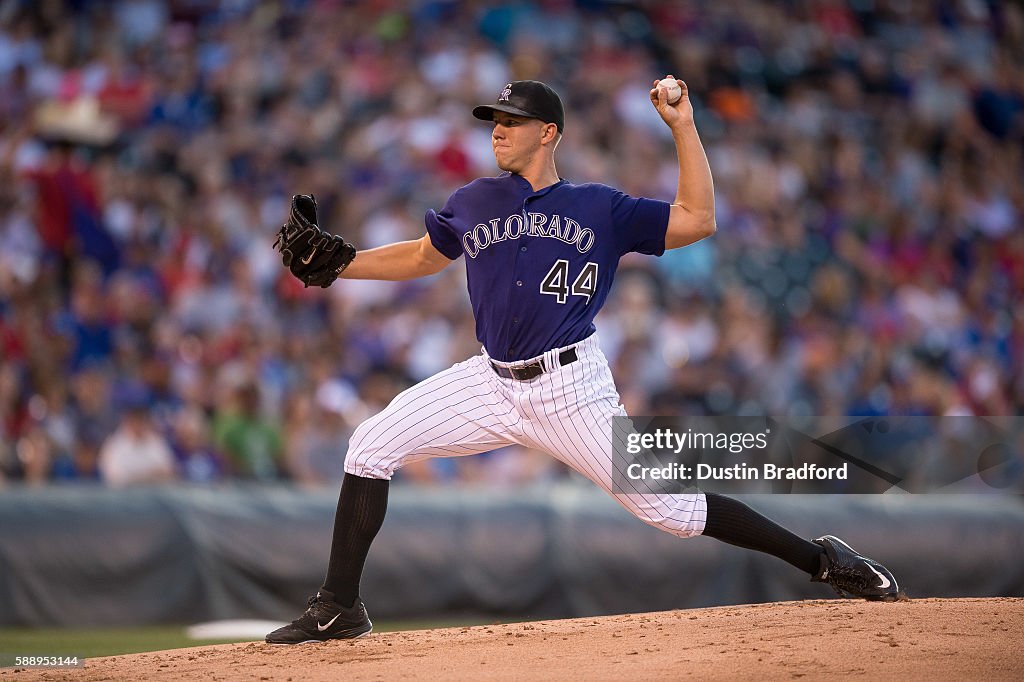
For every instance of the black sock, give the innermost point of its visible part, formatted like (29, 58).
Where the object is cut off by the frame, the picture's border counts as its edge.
(361, 508)
(733, 522)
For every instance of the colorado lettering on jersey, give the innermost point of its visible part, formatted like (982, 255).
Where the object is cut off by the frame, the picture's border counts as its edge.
(540, 263)
(530, 224)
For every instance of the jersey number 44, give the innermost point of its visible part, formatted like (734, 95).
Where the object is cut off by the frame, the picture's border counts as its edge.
(556, 282)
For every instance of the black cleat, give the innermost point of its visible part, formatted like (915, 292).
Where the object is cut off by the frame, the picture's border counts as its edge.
(324, 619)
(853, 575)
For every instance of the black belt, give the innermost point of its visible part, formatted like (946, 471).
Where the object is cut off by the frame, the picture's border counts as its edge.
(535, 369)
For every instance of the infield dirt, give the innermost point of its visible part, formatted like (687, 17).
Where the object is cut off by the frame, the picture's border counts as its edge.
(937, 639)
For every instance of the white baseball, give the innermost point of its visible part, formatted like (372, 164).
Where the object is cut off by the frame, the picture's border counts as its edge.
(672, 89)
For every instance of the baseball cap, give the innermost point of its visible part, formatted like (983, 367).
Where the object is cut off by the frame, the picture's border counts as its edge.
(526, 98)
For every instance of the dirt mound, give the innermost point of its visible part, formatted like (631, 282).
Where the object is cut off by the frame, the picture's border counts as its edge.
(924, 638)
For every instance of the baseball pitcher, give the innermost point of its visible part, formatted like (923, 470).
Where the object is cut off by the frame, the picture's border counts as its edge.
(541, 254)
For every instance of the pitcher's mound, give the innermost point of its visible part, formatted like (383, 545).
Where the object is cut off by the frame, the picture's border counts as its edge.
(919, 639)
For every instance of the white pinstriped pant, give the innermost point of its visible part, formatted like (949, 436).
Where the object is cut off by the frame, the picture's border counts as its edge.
(468, 409)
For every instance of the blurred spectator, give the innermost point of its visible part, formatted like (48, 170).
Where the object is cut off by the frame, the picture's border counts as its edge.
(252, 442)
(68, 211)
(136, 453)
(35, 456)
(318, 432)
(93, 411)
(197, 459)
(90, 329)
(82, 463)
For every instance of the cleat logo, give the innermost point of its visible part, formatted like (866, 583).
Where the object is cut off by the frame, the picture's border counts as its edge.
(885, 581)
(321, 628)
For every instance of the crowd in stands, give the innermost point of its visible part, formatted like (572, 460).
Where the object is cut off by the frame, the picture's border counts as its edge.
(868, 160)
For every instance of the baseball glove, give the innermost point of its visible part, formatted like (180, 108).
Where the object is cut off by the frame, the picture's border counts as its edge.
(315, 257)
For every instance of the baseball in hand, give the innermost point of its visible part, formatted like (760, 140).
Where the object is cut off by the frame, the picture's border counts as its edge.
(672, 89)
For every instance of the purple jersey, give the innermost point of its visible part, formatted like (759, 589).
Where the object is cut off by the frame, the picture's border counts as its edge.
(540, 264)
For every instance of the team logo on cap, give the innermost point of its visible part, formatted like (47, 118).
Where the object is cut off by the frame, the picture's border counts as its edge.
(506, 93)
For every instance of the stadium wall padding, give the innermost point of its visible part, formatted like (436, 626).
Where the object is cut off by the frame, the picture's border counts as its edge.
(90, 556)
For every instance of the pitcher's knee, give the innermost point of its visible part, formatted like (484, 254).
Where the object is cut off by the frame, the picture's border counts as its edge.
(681, 515)
(683, 529)
(367, 459)
(358, 463)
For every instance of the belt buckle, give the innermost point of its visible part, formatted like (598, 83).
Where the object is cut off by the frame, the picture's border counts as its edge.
(523, 373)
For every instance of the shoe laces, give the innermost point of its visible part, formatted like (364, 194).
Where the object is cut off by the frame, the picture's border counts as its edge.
(313, 606)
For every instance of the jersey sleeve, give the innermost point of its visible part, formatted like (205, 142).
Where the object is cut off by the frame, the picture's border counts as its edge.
(442, 231)
(640, 224)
